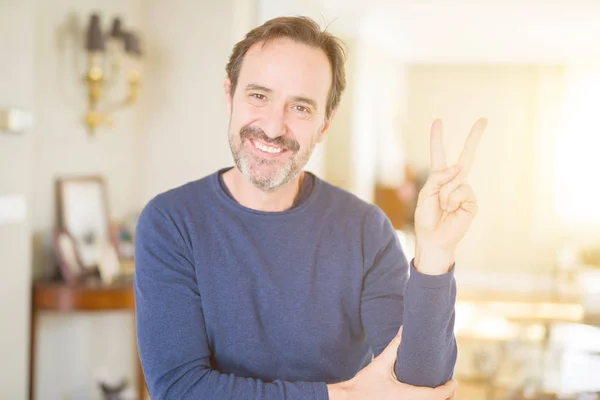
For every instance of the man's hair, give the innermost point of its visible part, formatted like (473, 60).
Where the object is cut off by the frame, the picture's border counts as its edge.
(301, 30)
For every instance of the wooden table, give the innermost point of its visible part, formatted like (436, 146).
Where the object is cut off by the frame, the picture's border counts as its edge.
(91, 296)
(520, 310)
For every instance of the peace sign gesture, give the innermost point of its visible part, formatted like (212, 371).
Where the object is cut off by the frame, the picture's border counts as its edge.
(446, 205)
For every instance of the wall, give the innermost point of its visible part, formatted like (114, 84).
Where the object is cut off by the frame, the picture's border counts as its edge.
(16, 155)
(338, 167)
(185, 121)
(375, 151)
(506, 176)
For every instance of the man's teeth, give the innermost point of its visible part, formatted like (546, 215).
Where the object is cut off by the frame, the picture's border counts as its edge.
(268, 149)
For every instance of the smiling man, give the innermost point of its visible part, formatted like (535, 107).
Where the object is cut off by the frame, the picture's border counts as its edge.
(261, 281)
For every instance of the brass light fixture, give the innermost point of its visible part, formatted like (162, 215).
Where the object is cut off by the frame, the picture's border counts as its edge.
(108, 60)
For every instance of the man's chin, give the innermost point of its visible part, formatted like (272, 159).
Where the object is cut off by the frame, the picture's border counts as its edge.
(266, 179)
(267, 183)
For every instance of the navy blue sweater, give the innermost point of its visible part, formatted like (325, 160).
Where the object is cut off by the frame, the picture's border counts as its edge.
(234, 303)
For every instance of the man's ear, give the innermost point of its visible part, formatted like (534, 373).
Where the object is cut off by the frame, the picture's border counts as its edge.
(326, 126)
(228, 94)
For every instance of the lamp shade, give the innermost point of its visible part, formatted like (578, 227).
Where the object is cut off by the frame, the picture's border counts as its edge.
(117, 29)
(132, 44)
(95, 39)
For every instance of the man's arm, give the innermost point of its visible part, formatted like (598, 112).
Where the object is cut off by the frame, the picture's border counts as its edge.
(172, 341)
(423, 304)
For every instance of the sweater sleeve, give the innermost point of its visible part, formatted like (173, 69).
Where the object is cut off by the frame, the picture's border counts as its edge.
(396, 294)
(172, 341)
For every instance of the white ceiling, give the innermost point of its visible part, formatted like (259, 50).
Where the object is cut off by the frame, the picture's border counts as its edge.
(508, 31)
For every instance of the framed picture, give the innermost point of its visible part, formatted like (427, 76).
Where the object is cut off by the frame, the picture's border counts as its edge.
(82, 211)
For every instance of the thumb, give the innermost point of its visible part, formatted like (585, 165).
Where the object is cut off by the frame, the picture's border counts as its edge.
(439, 178)
(447, 390)
(390, 353)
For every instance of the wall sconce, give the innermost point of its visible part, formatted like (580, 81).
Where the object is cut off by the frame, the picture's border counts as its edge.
(108, 56)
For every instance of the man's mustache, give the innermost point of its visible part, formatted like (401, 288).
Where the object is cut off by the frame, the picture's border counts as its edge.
(253, 132)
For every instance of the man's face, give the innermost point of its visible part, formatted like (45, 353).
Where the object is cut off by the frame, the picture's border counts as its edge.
(277, 113)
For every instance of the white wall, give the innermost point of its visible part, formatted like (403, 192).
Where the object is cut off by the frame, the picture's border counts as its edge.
(16, 154)
(376, 152)
(185, 121)
(469, 32)
(337, 165)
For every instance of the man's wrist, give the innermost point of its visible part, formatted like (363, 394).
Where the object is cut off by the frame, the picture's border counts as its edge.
(431, 260)
(340, 391)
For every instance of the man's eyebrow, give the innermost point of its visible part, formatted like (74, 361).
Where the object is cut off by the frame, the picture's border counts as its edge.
(306, 100)
(253, 86)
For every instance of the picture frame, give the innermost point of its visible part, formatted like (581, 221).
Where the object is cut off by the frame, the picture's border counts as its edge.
(82, 211)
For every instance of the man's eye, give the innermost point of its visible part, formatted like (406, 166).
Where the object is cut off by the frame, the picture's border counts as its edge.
(258, 96)
(302, 109)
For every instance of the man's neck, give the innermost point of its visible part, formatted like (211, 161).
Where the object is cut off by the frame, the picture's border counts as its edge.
(248, 195)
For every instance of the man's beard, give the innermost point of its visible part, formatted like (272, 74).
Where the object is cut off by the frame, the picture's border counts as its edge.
(277, 173)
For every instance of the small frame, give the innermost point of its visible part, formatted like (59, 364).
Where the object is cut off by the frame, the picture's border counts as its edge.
(65, 250)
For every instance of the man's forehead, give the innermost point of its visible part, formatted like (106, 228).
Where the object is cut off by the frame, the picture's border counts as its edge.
(284, 63)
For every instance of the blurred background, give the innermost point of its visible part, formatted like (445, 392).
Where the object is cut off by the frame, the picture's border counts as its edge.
(96, 118)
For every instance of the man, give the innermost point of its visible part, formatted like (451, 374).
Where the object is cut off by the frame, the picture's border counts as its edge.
(262, 281)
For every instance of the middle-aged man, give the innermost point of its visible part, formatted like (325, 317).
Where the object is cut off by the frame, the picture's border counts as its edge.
(261, 281)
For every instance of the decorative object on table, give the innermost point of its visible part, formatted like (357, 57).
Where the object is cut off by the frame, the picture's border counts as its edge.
(114, 392)
(114, 388)
(82, 211)
(65, 251)
(108, 263)
(122, 50)
(124, 233)
(123, 237)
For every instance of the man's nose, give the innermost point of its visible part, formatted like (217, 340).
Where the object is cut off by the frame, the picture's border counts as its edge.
(274, 126)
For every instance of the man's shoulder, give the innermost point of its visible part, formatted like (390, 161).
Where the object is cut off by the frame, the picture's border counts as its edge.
(346, 201)
(188, 195)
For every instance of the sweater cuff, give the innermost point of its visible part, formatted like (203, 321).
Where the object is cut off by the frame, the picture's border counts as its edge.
(320, 390)
(430, 281)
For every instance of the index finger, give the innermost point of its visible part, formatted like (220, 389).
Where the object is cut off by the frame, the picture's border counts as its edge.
(438, 155)
(467, 156)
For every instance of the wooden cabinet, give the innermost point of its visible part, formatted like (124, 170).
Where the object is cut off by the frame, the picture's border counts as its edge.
(89, 296)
